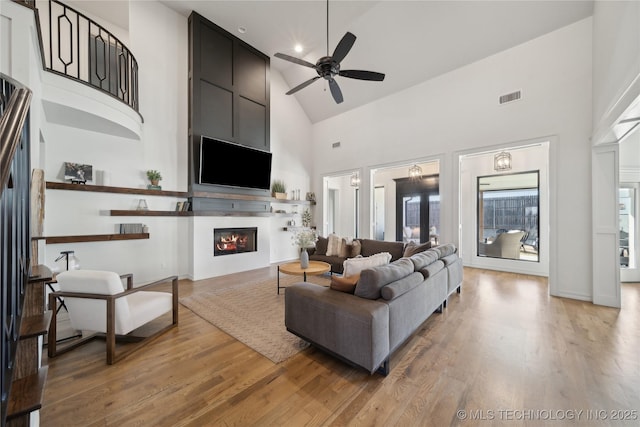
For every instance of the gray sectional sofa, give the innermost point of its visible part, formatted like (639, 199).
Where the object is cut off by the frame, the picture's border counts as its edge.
(367, 247)
(389, 304)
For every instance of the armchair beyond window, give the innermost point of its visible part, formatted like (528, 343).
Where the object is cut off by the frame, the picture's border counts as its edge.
(505, 245)
(98, 302)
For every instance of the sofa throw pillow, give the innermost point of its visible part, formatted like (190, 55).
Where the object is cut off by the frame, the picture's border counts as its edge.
(446, 249)
(356, 248)
(354, 266)
(424, 258)
(372, 280)
(333, 244)
(400, 287)
(344, 249)
(344, 284)
(413, 248)
(321, 246)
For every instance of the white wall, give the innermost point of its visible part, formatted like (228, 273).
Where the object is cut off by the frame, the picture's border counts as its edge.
(291, 148)
(616, 61)
(459, 111)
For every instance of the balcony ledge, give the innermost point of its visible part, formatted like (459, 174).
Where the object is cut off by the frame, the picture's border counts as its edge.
(71, 103)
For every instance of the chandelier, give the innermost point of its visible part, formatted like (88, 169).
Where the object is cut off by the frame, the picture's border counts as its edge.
(415, 172)
(502, 161)
(355, 179)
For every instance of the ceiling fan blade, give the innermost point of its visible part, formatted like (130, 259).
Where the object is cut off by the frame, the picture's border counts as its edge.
(362, 75)
(343, 47)
(295, 60)
(335, 91)
(303, 85)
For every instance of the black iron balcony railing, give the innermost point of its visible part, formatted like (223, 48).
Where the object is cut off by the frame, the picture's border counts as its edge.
(79, 48)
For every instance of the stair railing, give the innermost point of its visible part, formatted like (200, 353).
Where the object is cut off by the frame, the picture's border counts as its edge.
(15, 247)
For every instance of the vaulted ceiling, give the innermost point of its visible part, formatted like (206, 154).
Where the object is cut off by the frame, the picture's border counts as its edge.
(409, 41)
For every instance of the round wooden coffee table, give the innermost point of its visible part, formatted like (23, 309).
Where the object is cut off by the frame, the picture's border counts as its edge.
(315, 268)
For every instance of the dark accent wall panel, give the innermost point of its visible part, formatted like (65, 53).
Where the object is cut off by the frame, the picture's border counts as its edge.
(252, 126)
(216, 57)
(251, 75)
(216, 111)
(229, 96)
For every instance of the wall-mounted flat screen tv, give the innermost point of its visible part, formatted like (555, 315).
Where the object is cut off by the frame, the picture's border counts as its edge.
(235, 165)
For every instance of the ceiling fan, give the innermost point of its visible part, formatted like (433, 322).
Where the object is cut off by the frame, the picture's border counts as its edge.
(328, 67)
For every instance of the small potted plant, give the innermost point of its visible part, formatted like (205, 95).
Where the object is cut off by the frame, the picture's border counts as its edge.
(279, 189)
(154, 177)
(306, 218)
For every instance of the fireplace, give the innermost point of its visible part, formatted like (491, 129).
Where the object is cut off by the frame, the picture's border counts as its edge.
(227, 241)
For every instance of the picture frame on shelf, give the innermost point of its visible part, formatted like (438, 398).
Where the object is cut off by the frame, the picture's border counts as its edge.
(78, 173)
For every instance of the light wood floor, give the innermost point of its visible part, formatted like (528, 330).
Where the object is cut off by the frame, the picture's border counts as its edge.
(503, 351)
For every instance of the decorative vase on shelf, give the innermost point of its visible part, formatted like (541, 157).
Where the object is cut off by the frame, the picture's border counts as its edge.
(304, 258)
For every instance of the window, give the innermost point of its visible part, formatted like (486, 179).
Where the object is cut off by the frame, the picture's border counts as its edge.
(508, 216)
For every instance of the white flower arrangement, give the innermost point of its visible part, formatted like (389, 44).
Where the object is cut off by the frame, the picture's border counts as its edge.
(305, 238)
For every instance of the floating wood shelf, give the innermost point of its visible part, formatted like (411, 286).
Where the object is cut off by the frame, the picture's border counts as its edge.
(147, 213)
(143, 191)
(107, 189)
(229, 213)
(186, 213)
(230, 196)
(95, 238)
(293, 202)
(26, 394)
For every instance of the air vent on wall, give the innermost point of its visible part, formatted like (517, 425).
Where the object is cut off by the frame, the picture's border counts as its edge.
(510, 97)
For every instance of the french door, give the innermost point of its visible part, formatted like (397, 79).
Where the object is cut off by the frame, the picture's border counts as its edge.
(417, 209)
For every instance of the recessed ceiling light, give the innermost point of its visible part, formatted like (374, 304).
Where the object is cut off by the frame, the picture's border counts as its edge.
(242, 30)
(298, 48)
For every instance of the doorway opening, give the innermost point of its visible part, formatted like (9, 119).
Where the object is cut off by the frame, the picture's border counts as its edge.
(629, 206)
(405, 205)
(341, 207)
(504, 214)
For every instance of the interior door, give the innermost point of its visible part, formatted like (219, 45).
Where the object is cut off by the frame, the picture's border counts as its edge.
(605, 236)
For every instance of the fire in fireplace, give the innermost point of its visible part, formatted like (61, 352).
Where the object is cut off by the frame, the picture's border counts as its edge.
(227, 241)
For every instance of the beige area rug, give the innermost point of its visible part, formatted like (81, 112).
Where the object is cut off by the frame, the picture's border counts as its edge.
(253, 313)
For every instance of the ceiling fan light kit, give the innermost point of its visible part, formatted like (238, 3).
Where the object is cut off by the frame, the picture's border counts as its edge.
(328, 67)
